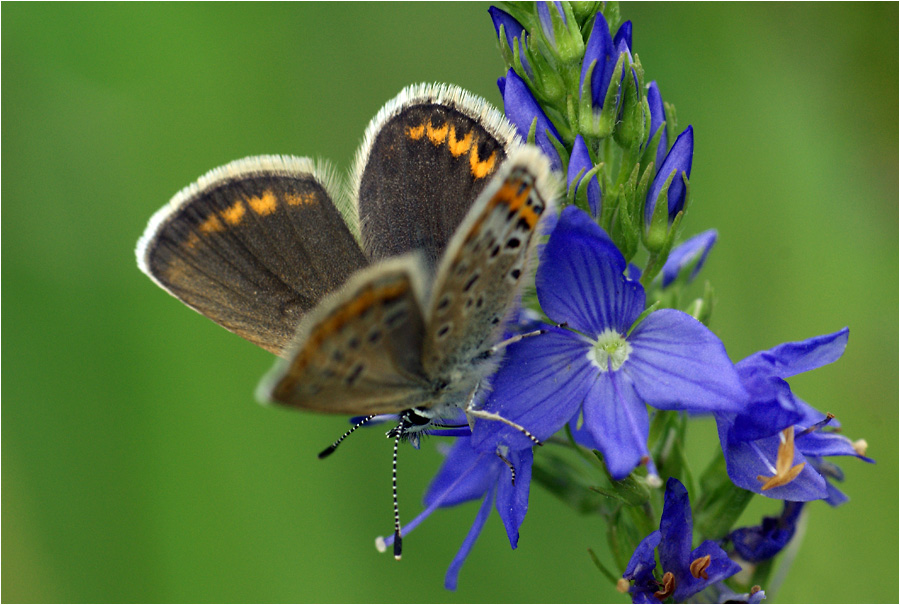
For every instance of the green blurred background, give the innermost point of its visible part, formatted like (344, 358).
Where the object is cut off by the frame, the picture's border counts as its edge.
(137, 466)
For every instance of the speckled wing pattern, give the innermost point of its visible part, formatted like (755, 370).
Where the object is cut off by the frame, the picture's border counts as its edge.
(483, 267)
(360, 351)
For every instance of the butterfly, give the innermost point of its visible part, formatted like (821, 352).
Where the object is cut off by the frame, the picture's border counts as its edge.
(391, 302)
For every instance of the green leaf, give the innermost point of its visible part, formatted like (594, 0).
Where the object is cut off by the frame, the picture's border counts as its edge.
(721, 502)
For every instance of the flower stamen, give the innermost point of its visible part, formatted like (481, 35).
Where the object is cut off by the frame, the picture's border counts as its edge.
(784, 472)
(668, 587)
(828, 418)
(699, 565)
(609, 351)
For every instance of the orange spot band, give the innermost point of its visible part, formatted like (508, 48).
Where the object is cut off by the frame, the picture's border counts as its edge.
(263, 205)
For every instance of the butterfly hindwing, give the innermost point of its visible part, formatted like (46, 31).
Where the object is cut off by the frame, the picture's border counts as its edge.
(480, 275)
(425, 158)
(360, 351)
(252, 245)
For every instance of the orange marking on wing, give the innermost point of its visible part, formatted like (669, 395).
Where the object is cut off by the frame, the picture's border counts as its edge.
(437, 135)
(234, 214)
(513, 195)
(343, 315)
(481, 168)
(415, 133)
(211, 225)
(302, 199)
(459, 147)
(263, 205)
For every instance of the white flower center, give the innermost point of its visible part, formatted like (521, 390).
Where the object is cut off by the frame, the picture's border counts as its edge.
(610, 351)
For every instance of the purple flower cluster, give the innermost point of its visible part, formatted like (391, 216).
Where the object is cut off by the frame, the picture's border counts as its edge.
(608, 363)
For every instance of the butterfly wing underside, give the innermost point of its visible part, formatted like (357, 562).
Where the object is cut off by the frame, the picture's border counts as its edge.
(482, 270)
(360, 351)
(252, 245)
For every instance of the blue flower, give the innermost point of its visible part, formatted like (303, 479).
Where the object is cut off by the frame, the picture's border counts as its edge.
(543, 9)
(623, 35)
(521, 109)
(657, 117)
(581, 162)
(762, 542)
(601, 363)
(693, 252)
(678, 161)
(468, 474)
(775, 447)
(684, 572)
(514, 31)
(605, 50)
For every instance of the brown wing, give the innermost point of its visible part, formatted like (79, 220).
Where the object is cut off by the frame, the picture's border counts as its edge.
(480, 275)
(425, 158)
(360, 351)
(253, 246)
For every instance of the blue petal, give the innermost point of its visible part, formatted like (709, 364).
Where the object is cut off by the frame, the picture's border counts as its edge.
(761, 542)
(450, 580)
(541, 383)
(678, 364)
(521, 108)
(513, 30)
(581, 162)
(643, 561)
(581, 435)
(676, 528)
(827, 443)
(543, 10)
(640, 569)
(623, 34)
(792, 358)
(622, 49)
(657, 117)
(512, 500)
(580, 278)
(772, 406)
(835, 496)
(746, 460)
(685, 254)
(511, 25)
(720, 567)
(466, 474)
(618, 420)
(599, 48)
(678, 160)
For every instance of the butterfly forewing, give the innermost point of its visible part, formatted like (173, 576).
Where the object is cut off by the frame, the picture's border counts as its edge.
(360, 351)
(253, 246)
(485, 263)
(425, 158)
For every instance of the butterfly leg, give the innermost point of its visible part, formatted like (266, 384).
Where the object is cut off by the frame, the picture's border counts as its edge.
(512, 469)
(513, 340)
(472, 413)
